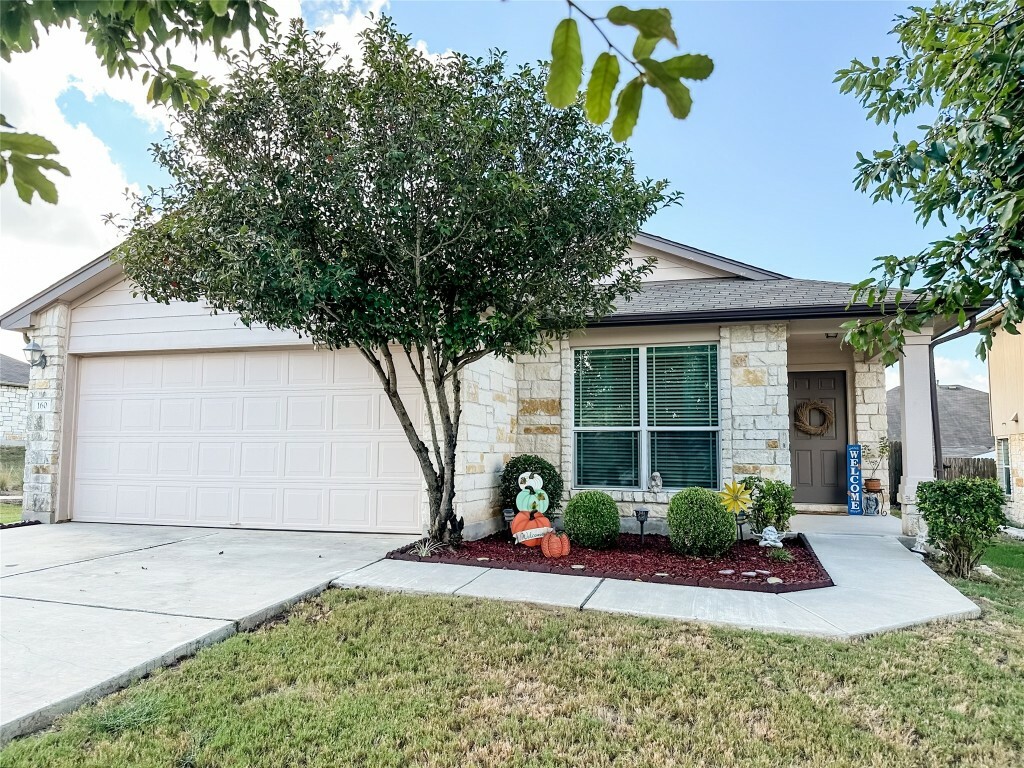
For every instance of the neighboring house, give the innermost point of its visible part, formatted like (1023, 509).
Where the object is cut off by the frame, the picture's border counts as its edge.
(167, 414)
(1006, 388)
(13, 400)
(963, 420)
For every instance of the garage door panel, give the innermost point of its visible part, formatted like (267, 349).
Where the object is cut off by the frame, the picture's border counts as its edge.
(307, 412)
(269, 438)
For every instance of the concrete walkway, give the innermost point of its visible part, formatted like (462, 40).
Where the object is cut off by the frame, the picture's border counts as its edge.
(880, 586)
(85, 608)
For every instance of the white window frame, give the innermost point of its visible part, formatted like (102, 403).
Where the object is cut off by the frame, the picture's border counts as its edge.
(644, 429)
(1004, 470)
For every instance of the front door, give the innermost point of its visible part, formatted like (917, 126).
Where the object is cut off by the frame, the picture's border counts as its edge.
(819, 460)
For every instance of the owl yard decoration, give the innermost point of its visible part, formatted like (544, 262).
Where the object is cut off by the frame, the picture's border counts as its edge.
(529, 526)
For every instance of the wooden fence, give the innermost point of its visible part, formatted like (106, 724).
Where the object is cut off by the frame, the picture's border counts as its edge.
(953, 467)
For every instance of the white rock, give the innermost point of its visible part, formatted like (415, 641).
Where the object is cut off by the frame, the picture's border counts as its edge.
(986, 573)
(727, 571)
(749, 573)
(577, 567)
(662, 573)
(774, 580)
(763, 573)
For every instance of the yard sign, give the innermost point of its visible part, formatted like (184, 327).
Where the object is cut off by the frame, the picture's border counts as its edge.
(854, 481)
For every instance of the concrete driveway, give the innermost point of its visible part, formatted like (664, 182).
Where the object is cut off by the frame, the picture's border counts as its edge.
(85, 608)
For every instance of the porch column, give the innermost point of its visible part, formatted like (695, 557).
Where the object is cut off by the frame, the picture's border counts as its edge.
(918, 443)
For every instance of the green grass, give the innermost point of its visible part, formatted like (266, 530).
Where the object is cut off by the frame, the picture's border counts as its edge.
(12, 469)
(363, 678)
(10, 513)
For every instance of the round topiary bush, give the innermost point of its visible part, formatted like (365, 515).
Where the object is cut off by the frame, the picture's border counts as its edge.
(592, 520)
(530, 463)
(699, 524)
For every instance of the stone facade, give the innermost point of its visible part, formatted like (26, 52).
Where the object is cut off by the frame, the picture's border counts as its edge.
(46, 406)
(487, 440)
(758, 387)
(539, 387)
(13, 414)
(1015, 501)
(871, 423)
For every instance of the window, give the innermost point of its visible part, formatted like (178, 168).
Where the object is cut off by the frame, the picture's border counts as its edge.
(1003, 464)
(644, 410)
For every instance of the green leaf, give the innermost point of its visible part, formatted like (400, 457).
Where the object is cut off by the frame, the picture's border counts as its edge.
(677, 95)
(28, 179)
(628, 109)
(142, 20)
(566, 64)
(692, 66)
(644, 47)
(603, 80)
(26, 143)
(654, 23)
(219, 7)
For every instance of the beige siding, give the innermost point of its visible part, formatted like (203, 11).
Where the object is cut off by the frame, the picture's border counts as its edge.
(112, 320)
(674, 267)
(1006, 384)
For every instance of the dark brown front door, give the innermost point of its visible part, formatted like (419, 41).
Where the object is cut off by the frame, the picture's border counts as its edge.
(819, 463)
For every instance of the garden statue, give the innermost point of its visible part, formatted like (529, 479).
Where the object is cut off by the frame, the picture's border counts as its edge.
(656, 482)
(770, 538)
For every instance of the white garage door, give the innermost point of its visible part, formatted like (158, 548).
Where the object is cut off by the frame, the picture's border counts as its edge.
(269, 439)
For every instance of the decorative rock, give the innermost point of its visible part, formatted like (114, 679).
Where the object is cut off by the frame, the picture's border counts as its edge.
(727, 571)
(577, 567)
(987, 574)
(483, 559)
(749, 574)
(774, 580)
(661, 573)
(763, 573)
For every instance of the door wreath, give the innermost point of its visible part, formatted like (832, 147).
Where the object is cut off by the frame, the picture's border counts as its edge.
(802, 420)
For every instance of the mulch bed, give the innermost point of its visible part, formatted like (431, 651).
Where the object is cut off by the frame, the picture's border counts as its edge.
(19, 524)
(628, 561)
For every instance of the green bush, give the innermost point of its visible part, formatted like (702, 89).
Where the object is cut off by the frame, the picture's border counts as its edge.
(529, 463)
(963, 517)
(780, 555)
(772, 503)
(699, 524)
(592, 520)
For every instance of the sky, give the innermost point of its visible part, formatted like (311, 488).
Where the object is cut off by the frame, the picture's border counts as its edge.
(765, 160)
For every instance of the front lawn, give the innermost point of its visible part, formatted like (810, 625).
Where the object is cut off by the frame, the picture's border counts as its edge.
(373, 679)
(10, 513)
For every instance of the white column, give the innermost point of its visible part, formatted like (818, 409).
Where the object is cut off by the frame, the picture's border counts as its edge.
(918, 442)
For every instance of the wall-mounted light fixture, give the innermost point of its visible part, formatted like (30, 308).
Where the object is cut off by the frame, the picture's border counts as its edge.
(831, 335)
(34, 355)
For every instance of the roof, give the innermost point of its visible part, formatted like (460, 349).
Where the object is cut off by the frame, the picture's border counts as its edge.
(692, 301)
(13, 372)
(963, 420)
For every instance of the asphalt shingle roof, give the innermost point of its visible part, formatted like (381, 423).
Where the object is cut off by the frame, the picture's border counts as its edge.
(725, 296)
(963, 420)
(13, 372)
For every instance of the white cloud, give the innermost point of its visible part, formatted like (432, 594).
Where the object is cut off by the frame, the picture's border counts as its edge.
(965, 371)
(40, 243)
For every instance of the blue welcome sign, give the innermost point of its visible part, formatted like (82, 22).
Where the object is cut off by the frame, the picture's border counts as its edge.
(854, 481)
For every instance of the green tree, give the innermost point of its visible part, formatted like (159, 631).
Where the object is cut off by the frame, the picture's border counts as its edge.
(963, 62)
(129, 36)
(428, 212)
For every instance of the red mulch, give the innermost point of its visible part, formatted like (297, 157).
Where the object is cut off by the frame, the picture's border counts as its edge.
(627, 560)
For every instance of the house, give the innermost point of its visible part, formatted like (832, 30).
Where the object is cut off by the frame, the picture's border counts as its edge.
(964, 424)
(1006, 389)
(167, 414)
(13, 400)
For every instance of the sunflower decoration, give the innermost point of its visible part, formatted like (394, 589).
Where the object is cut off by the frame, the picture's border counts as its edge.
(736, 497)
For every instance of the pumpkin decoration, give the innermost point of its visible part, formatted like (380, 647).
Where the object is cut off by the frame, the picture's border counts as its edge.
(530, 524)
(529, 528)
(555, 544)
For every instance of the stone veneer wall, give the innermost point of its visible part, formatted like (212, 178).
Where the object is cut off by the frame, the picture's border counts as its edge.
(43, 445)
(759, 389)
(539, 386)
(13, 414)
(871, 422)
(487, 440)
(1015, 502)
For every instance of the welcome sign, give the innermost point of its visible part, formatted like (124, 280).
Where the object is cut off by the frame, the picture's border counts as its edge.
(854, 481)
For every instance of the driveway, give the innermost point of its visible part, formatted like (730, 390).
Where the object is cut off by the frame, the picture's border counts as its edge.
(85, 608)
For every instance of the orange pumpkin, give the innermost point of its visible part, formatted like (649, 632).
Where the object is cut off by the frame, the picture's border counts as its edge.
(529, 528)
(555, 544)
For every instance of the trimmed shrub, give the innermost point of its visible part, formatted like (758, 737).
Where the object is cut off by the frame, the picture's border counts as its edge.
(529, 463)
(592, 520)
(963, 517)
(699, 523)
(772, 503)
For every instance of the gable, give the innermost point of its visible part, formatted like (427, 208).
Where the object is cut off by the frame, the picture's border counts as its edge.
(669, 266)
